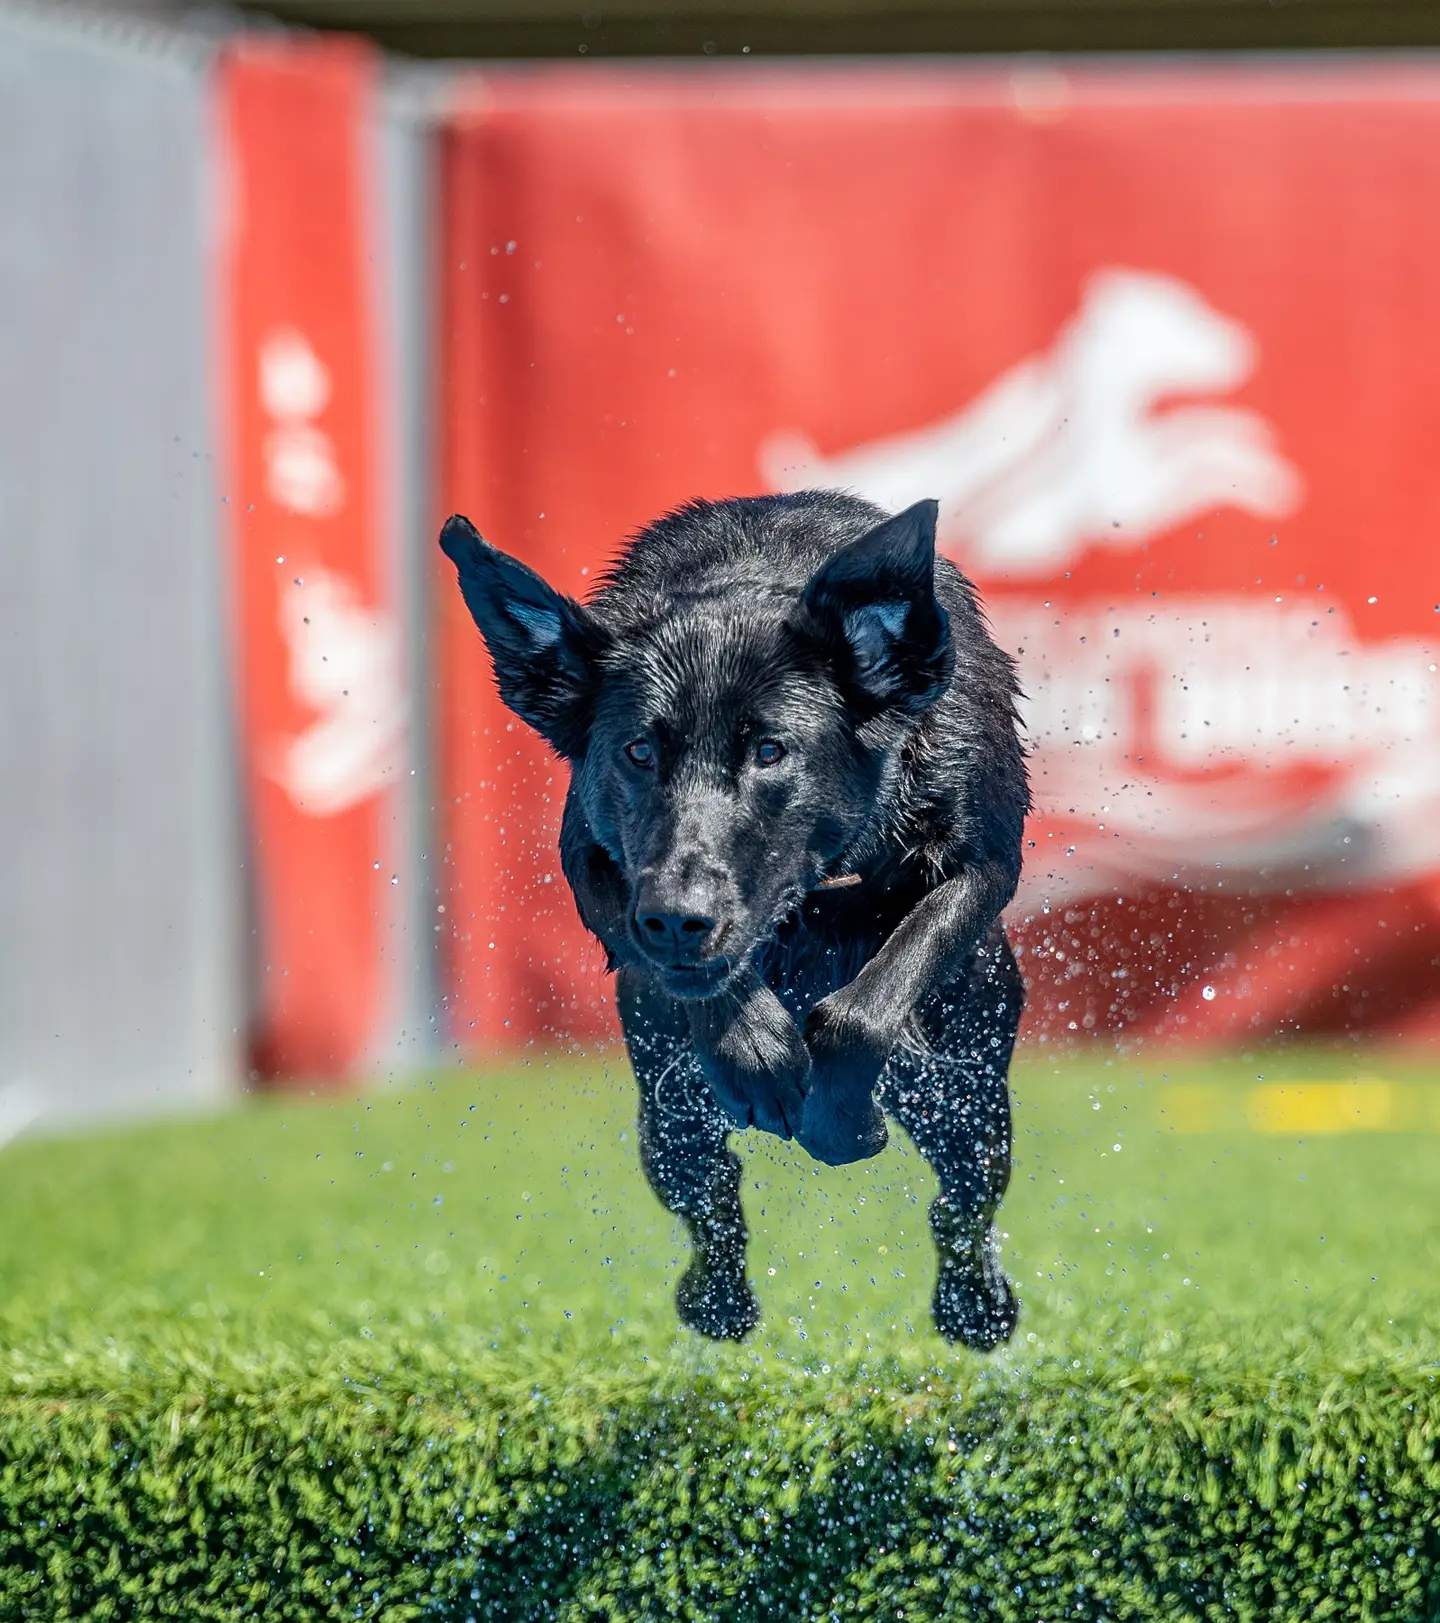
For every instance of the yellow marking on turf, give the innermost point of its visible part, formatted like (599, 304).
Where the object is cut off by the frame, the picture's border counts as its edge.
(1301, 1108)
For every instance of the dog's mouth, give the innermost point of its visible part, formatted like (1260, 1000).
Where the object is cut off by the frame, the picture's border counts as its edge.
(697, 981)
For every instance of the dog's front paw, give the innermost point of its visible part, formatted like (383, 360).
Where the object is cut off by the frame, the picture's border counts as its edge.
(717, 1302)
(753, 1058)
(839, 1130)
(842, 1121)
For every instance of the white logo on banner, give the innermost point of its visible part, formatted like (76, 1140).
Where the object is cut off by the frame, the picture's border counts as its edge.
(1176, 739)
(345, 664)
(1215, 733)
(301, 472)
(1076, 447)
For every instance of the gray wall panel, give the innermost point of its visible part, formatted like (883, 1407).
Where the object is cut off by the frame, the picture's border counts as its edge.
(119, 866)
(404, 159)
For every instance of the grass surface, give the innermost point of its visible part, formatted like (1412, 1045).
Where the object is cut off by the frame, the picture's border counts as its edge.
(507, 1211)
(413, 1355)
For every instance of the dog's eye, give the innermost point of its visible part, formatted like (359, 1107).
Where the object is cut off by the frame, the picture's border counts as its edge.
(768, 752)
(640, 752)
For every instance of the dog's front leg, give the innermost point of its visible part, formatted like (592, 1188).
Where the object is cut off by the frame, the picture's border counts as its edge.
(850, 1033)
(752, 1054)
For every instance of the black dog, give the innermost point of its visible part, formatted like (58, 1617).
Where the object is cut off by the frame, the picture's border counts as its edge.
(796, 800)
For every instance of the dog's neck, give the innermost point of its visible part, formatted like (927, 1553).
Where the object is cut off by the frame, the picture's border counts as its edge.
(862, 847)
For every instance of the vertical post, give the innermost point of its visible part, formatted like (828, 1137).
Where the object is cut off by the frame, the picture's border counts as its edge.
(403, 226)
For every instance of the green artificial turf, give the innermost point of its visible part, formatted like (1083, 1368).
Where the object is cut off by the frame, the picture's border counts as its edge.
(508, 1208)
(412, 1353)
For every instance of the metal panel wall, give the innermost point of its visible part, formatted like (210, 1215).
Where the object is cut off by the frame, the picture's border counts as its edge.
(121, 884)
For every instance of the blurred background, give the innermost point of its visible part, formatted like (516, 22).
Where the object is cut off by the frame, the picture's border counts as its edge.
(1157, 325)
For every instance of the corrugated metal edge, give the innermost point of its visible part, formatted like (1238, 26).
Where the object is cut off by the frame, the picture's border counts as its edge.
(186, 45)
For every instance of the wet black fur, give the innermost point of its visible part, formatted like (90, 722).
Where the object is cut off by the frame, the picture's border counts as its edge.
(748, 991)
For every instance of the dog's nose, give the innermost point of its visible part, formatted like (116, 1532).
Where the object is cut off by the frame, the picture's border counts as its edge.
(679, 935)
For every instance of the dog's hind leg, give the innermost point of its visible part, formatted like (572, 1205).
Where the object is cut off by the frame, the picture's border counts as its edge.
(683, 1150)
(954, 1102)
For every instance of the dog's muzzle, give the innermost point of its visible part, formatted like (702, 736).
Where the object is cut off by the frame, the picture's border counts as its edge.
(678, 932)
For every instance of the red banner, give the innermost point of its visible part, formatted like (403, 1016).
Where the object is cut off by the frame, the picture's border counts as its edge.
(322, 702)
(1164, 344)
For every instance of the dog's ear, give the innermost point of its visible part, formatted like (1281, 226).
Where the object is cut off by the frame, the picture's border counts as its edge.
(874, 608)
(544, 646)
